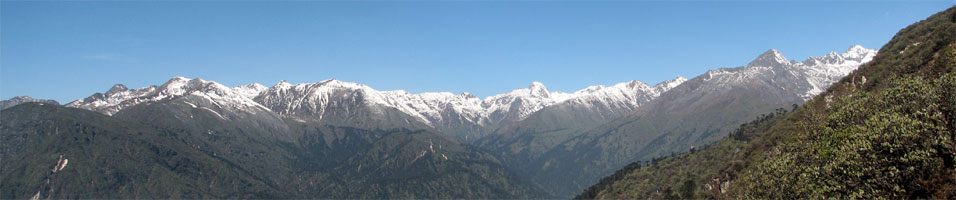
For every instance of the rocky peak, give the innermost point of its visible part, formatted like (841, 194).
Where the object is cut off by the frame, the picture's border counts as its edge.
(116, 89)
(770, 58)
(539, 90)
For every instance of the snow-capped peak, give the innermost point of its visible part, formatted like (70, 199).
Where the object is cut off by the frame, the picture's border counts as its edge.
(858, 48)
(118, 97)
(821, 72)
(467, 95)
(807, 78)
(179, 85)
(668, 84)
(634, 84)
(342, 84)
(859, 53)
(116, 88)
(251, 90)
(770, 58)
(282, 84)
(538, 89)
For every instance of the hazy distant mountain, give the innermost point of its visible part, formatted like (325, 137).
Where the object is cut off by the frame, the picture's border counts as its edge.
(527, 139)
(4, 104)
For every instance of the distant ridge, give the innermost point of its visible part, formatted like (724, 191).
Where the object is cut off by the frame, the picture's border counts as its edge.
(4, 104)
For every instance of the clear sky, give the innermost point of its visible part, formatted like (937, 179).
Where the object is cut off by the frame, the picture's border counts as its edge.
(70, 50)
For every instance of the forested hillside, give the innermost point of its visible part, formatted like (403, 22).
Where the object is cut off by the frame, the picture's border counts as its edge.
(51, 151)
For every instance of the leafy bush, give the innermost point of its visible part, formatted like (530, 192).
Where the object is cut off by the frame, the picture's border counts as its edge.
(896, 143)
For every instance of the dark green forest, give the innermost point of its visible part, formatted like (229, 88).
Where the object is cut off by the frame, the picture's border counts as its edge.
(154, 157)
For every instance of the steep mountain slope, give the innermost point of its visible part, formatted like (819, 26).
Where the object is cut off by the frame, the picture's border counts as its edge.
(4, 104)
(536, 106)
(696, 112)
(235, 158)
(320, 160)
(542, 130)
(884, 131)
(365, 162)
(707, 107)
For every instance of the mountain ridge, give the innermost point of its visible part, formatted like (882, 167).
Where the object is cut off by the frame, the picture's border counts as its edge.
(17, 100)
(440, 110)
(465, 115)
(567, 154)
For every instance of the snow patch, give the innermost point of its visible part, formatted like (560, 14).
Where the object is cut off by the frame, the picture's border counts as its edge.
(213, 112)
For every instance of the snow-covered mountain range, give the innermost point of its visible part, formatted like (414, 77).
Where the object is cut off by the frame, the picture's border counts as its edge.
(557, 154)
(463, 115)
(817, 72)
(338, 99)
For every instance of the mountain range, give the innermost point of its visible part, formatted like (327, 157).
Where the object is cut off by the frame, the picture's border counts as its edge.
(337, 102)
(465, 115)
(699, 111)
(337, 139)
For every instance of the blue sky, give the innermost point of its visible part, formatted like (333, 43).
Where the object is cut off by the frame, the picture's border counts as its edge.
(69, 50)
